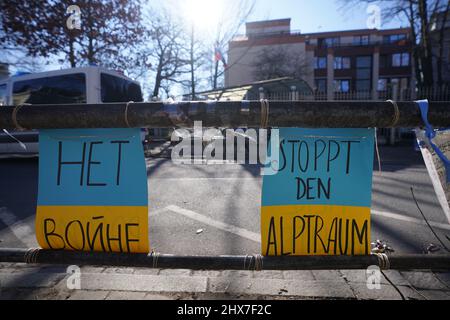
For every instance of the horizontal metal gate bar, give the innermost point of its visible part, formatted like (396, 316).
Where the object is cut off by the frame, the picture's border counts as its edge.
(435, 262)
(232, 114)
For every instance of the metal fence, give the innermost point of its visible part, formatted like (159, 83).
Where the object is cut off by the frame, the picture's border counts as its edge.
(232, 114)
(402, 94)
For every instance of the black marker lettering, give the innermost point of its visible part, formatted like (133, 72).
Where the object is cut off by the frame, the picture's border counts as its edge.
(274, 242)
(349, 145)
(308, 218)
(98, 231)
(334, 157)
(81, 232)
(361, 236)
(317, 230)
(61, 163)
(90, 162)
(326, 189)
(333, 232)
(293, 142)
(109, 239)
(127, 235)
(284, 156)
(48, 234)
(294, 230)
(119, 157)
(282, 238)
(343, 252)
(316, 157)
(300, 147)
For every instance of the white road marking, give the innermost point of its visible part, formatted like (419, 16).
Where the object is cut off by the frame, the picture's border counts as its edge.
(20, 229)
(197, 179)
(257, 237)
(401, 217)
(154, 213)
(244, 233)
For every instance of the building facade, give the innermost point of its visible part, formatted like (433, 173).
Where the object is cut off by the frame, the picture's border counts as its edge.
(370, 61)
(4, 70)
(440, 43)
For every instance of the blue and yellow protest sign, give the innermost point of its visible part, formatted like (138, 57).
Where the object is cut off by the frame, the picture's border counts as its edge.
(318, 201)
(92, 191)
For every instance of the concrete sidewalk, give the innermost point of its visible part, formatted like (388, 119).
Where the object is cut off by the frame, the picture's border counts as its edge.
(21, 281)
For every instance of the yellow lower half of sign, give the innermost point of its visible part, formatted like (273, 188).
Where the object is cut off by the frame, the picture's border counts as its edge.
(93, 228)
(315, 230)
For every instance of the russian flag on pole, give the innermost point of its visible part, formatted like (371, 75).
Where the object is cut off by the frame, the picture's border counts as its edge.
(219, 57)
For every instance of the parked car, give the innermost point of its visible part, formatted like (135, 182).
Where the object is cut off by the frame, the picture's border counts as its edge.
(90, 85)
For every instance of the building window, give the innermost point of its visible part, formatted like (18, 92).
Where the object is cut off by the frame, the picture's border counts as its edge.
(402, 83)
(321, 85)
(2, 94)
(361, 40)
(341, 85)
(363, 73)
(392, 38)
(382, 84)
(386, 83)
(384, 61)
(400, 60)
(341, 62)
(330, 42)
(320, 62)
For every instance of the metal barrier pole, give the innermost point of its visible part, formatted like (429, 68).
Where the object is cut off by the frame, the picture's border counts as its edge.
(248, 262)
(231, 114)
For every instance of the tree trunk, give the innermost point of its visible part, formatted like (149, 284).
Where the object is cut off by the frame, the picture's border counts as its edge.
(427, 57)
(216, 75)
(158, 78)
(192, 64)
(415, 48)
(440, 59)
(71, 52)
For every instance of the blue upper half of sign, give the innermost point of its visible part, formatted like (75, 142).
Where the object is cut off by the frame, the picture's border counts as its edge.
(92, 167)
(321, 167)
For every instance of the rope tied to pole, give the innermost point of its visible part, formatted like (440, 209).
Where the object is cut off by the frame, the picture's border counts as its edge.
(264, 113)
(383, 261)
(14, 116)
(396, 116)
(31, 255)
(247, 267)
(258, 262)
(155, 257)
(126, 113)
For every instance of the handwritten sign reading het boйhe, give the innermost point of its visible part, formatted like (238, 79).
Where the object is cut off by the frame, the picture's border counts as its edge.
(92, 191)
(318, 202)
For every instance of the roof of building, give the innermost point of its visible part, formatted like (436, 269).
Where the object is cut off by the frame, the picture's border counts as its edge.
(268, 36)
(251, 91)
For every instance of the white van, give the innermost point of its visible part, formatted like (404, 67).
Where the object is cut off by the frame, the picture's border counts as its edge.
(77, 85)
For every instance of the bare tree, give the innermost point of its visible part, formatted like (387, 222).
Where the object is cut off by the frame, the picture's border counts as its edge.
(439, 23)
(277, 63)
(418, 14)
(196, 61)
(232, 18)
(202, 70)
(109, 30)
(165, 50)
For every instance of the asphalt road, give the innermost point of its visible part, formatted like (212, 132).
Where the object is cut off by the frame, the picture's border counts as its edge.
(215, 208)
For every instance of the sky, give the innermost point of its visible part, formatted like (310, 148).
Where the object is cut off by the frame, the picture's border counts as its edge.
(317, 15)
(306, 16)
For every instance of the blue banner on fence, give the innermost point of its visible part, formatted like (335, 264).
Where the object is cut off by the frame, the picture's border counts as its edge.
(92, 190)
(322, 191)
